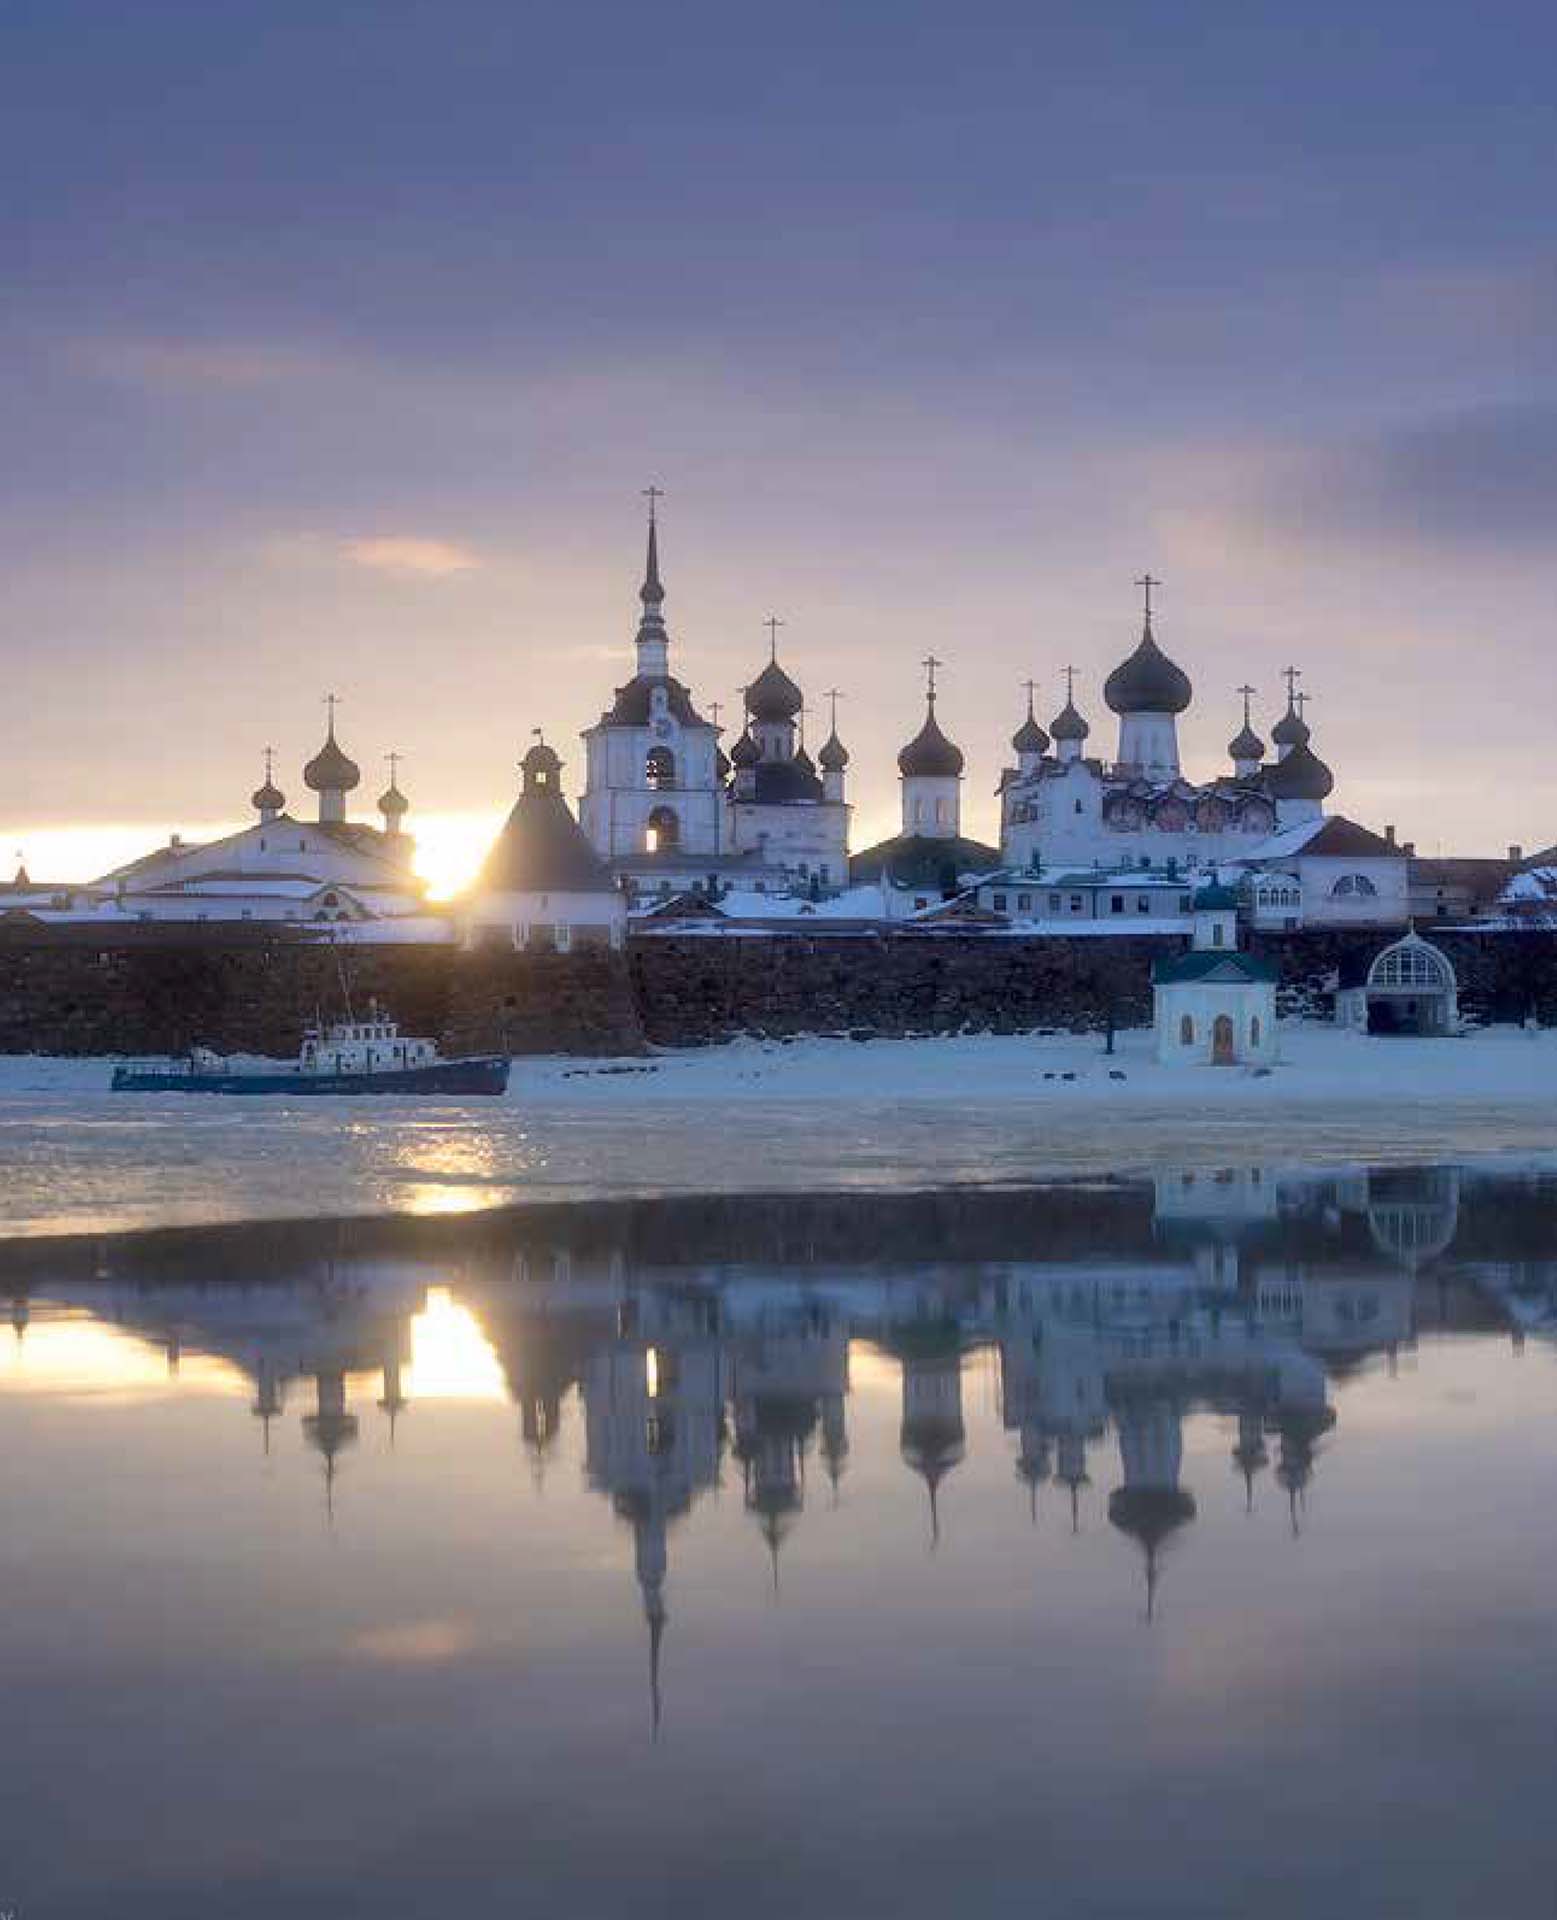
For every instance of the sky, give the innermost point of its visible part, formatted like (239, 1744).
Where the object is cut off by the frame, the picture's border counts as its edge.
(339, 341)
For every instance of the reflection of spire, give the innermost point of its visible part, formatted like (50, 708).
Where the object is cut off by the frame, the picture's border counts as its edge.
(1249, 1453)
(1151, 1515)
(330, 1429)
(654, 1613)
(394, 1401)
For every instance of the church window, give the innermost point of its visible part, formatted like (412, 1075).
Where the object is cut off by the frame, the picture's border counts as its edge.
(262, 845)
(1143, 903)
(1186, 1032)
(1024, 903)
(1218, 933)
(1116, 903)
(659, 768)
(662, 831)
(1254, 1030)
(940, 811)
(918, 811)
(1077, 904)
(1353, 886)
(999, 903)
(1078, 806)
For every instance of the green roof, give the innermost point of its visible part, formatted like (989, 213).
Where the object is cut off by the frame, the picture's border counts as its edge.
(1213, 963)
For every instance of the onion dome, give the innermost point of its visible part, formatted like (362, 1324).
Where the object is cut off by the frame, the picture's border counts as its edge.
(1067, 724)
(930, 754)
(269, 798)
(834, 755)
(804, 762)
(1291, 730)
(1029, 736)
(393, 803)
(1246, 744)
(330, 770)
(745, 752)
(1148, 682)
(1301, 776)
(773, 696)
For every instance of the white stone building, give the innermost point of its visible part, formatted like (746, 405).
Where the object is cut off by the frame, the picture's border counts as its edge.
(1060, 806)
(785, 809)
(653, 787)
(1214, 1005)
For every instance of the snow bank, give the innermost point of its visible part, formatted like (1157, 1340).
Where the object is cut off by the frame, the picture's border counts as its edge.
(759, 1116)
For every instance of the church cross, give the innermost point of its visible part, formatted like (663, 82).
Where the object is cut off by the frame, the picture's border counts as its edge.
(773, 623)
(1032, 688)
(1300, 701)
(1146, 582)
(270, 763)
(332, 701)
(394, 757)
(834, 696)
(1248, 694)
(716, 707)
(1292, 675)
(930, 663)
(1070, 685)
(653, 495)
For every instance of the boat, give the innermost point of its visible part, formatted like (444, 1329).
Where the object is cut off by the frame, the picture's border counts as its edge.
(348, 1056)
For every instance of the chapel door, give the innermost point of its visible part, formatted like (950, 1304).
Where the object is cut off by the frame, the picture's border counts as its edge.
(1222, 1041)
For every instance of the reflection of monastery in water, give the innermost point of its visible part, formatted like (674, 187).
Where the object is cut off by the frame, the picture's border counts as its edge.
(701, 1344)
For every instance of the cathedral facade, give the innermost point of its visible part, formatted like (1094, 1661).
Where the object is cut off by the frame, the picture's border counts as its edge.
(1062, 806)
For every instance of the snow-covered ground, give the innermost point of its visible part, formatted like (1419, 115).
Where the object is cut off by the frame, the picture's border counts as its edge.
(758, 1116)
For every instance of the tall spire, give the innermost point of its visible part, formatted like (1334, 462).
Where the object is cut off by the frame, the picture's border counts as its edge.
(653, 641)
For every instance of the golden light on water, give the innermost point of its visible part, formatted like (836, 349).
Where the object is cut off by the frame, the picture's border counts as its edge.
(451, 1358)
(67, 1351)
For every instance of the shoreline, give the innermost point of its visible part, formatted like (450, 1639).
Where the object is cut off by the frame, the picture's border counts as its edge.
(802, 1116)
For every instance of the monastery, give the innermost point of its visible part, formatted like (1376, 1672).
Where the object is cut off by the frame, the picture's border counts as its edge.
(676, 828)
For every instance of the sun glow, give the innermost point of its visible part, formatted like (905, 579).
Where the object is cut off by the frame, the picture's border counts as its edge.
(451, 1358)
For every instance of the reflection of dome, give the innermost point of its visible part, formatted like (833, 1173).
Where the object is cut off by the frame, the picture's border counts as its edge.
(1148, 682)
(1151, 1515)
(930, 754)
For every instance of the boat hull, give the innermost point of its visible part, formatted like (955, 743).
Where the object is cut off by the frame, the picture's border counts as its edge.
(484, 1074)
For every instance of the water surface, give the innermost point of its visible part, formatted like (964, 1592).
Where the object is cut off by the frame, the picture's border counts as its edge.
(1177, 1547)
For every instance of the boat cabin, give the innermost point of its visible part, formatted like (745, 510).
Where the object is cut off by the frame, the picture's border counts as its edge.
(374, 1045)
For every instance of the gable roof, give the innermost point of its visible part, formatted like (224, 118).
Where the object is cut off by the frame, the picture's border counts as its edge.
(1334, 838)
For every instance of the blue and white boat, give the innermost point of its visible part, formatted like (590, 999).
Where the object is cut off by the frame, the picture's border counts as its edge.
(349, 1056)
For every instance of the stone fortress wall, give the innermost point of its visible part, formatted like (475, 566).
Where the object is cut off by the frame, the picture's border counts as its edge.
(65, 991)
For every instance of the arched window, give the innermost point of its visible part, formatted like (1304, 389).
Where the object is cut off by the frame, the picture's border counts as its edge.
(1254, 1030)
(660, 768)
(662, 830)
(1353, 886)
(1186, 1032)
(1408, 966)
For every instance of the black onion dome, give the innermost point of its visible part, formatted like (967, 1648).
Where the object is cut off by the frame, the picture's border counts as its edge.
(1246, 744)
(268, 798)
(1067, 724)
(1291, 730)
(773, 695)
(393, 801)
(1030, 737)
(930, 753)
(745, 752)
(834, 755)
(1148, 682)
(543, 761)
(1301, 776)
(330, 770)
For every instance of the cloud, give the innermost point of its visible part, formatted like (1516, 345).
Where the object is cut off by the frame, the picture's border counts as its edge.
(185, 366)
(411, 556)
(1481, 477)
